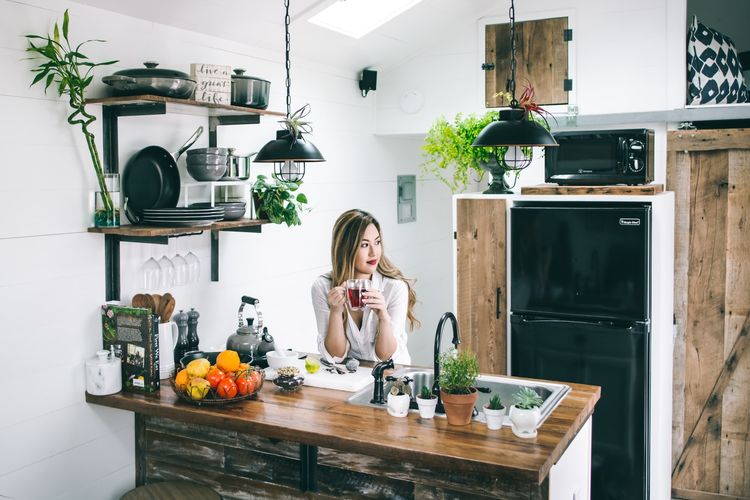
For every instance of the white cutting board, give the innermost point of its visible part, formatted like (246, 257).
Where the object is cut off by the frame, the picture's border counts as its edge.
(351, 382)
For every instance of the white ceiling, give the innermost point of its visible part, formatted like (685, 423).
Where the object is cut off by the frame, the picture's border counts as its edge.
(260, 23)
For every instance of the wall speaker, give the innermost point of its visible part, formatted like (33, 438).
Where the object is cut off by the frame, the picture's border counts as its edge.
(368, 81)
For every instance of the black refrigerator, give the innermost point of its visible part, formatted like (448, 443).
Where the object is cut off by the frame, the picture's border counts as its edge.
(580, 312)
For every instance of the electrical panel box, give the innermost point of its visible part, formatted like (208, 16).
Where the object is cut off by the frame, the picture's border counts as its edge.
(407, 198)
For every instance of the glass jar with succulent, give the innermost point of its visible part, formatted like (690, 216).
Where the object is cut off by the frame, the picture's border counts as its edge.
(69, 72)
(458, 376)
(277, 200)
(525, 414)
(450, 156)
(426, 402)
(494, 412)
(399, 396)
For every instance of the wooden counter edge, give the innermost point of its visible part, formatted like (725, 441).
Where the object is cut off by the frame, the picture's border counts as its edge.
(152, 405)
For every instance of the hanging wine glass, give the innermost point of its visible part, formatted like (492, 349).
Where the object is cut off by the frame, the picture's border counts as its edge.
(180, 268)
(194, 267)
(167, 272)
(150, 274)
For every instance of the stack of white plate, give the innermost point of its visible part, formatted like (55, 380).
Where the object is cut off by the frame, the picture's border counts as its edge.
(182, 216)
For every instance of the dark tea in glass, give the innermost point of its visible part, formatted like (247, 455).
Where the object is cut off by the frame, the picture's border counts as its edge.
(355, 290)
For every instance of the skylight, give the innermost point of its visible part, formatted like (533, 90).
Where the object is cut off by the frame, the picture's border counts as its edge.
(356, 18)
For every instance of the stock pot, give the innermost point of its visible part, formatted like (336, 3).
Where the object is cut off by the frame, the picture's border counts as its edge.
(151, 80)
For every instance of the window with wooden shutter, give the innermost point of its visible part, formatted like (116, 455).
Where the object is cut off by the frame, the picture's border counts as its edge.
(541, 59)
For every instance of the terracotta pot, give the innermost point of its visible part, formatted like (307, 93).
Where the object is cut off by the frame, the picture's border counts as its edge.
(459, 407)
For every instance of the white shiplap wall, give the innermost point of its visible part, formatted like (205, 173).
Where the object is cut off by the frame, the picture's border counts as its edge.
(51, 271)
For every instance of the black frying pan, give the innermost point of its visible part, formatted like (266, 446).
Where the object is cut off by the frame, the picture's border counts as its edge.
(151, 179)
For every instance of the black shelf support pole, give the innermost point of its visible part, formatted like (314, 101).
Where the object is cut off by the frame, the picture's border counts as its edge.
(112, 266)
(308, 455)
(214, 255)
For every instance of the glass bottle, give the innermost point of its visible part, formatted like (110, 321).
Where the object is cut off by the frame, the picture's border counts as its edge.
(182, 345)
(192, 336)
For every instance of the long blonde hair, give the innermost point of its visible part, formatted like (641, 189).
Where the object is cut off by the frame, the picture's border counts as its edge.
(347, 235)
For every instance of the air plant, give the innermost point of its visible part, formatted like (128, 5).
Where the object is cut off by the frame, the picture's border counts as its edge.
(295, 123)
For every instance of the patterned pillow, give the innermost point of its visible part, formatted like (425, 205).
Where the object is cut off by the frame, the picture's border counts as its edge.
(714, 70)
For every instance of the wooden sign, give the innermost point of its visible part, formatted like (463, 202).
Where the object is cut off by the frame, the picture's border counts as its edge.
(210, 70)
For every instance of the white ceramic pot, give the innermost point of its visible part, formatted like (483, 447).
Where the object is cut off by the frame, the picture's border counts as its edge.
(398, 406)
(494, 418)
(524, 421)
(427, 406)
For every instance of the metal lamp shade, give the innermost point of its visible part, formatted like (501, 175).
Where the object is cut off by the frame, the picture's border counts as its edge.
(283, 149)
(514, 129)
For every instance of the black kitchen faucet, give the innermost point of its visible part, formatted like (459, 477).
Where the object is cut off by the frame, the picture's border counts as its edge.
(436, 369)
(378, 397)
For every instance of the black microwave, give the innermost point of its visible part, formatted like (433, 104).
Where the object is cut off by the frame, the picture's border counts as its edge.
(601, 157)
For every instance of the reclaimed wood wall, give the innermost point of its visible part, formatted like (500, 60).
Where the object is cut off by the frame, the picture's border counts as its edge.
(709, 171)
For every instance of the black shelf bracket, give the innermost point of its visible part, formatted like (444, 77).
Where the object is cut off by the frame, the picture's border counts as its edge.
(215, 246)
(215, 121)
(308, 455)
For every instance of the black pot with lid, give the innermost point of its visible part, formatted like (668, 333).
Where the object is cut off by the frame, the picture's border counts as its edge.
(251, 339)
(249, 91)
(151, 80)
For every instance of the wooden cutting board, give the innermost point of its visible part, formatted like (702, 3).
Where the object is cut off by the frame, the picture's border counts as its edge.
(351, 382)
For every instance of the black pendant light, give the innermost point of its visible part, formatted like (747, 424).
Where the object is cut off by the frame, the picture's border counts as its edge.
(289, 151)
(514, 129)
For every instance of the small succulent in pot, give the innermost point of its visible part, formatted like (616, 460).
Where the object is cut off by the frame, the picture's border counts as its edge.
(495, 403)
(528, 399)
(399, 396)
(525, 414)
(494, 413)
(401, 387)
(426, 402)
(426, 393)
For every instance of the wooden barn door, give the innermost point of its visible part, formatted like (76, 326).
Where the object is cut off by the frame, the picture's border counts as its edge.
(709, 171)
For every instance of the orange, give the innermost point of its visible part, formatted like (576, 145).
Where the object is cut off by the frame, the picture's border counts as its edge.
(181, 380)
(228, 361)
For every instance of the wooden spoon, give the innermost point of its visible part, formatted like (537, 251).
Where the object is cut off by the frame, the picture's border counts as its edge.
(157, 303)
(167, 307)
(149, 301)
(139, 300)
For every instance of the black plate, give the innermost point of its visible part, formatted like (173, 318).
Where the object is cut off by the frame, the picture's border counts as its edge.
(151, 180)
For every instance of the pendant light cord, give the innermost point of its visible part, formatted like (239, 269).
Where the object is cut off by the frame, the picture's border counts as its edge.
(512, 83)
(287, 20)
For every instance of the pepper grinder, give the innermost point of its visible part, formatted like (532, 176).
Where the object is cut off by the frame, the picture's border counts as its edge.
(182, 345)
(192, 335)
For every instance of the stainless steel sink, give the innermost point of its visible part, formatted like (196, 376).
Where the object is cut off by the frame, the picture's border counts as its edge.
(488, 385)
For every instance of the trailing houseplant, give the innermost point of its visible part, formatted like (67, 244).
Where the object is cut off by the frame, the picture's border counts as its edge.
(458, 376)
(450, 156)
(426, 402)
(277, 200)
(69, 72)
(525, 414)
(494, 412)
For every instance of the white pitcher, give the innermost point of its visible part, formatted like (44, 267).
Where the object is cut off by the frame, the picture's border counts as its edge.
(167, 342)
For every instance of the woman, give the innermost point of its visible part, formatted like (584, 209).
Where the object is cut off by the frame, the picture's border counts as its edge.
(377, 332)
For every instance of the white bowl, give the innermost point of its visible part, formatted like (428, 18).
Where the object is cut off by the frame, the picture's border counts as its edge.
(277, 359)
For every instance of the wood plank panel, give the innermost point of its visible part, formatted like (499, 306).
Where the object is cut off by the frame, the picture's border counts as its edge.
(481, 280)
(708, 140)
(541, 59)
(645, 190)
(734, 466)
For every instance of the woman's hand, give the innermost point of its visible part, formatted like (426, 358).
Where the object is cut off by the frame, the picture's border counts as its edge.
(337, 298)
(374, 300)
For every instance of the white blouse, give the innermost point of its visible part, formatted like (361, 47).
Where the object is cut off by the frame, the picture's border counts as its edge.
(361, 341)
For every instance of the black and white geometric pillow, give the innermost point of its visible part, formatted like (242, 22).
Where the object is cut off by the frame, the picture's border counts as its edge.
(714, 70)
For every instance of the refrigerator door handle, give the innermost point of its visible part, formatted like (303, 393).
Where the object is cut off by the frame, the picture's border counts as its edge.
(632, 327)
(497, 303)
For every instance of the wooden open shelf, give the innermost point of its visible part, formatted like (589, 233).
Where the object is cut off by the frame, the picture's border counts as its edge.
(142, 231)
(184, 106)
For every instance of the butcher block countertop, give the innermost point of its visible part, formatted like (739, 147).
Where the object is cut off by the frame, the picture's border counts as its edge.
(321, 417)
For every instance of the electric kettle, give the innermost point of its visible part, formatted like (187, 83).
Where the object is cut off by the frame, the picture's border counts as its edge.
(251, 339)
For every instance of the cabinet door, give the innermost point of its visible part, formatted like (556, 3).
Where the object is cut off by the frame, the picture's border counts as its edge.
(541, 59)
(481, 282)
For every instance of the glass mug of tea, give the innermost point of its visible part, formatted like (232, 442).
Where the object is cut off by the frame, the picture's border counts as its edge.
(355, 290)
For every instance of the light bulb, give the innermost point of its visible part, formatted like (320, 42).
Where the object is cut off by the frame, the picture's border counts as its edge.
(515, 158)
(291, 171)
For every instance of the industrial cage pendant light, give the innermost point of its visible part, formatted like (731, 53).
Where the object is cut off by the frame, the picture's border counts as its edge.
(514, 129)
(289, 151)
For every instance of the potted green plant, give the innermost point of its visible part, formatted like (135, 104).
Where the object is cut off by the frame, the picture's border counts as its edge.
(68, 71)
(399, 397)
(494, 412)
(458, 375)
(426, 402)
(276, 200)
(525, 414)
(450, 156)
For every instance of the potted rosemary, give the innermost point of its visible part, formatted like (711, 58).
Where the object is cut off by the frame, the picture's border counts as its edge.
(69, 72)
(426, 402)
(525, 414)
(458, 376)
(494, 412)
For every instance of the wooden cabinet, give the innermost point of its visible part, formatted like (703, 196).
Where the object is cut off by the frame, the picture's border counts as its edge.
(709, 170)
(481, 280)
(141, 105)
(541, 59)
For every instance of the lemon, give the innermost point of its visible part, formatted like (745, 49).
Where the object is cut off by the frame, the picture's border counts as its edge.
(198, 368)
(312, 364)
